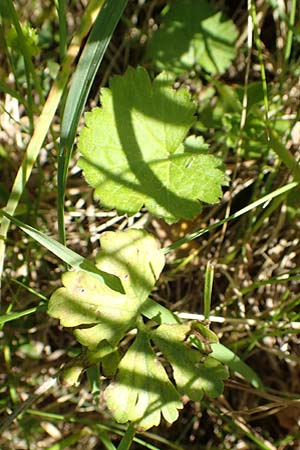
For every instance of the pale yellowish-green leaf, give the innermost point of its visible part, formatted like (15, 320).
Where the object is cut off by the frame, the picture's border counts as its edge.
(195, 374)
(142, 391)
(133, 256)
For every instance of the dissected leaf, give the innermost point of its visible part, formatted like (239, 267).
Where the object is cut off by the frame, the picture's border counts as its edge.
(191, 34)
(144, 386)
(142, 391)
(195, 374)
(131, 255)
(133, 152)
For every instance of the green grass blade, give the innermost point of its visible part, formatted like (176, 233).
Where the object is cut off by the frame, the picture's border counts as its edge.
(284, 155)
(69, 440)
(292, 31)
(16, 315)
(234, 424)
(62, 17)
(88, 65)
(127, 439)
(209, 279)
(7, 90)
(289, 41)
(228, 357)
(106, 441)
(261, 61)
(29, 289)
(282, 152)
(67, 255)
(43, 124)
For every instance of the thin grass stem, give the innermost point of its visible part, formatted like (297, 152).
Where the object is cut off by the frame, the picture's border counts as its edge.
(208, 285)
(105, 23)
(265, 199)
(289, 41)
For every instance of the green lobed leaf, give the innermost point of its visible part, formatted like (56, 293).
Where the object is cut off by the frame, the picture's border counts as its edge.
(142, 391)
(131, 255)
(134, 153)
(195, 374)
(142, 384)
(192, 33)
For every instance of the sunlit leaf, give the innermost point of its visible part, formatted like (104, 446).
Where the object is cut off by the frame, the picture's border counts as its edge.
(195, 374)
(147, 386)
(131, 255)
(134, 151)
(142, 391)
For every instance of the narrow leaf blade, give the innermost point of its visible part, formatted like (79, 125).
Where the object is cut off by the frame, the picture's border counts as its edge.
(88, 65)
(228, 357)
(67, 255)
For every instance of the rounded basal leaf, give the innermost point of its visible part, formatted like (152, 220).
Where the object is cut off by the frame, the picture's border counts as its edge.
(134, 257)
(134, 153)
(193, 33)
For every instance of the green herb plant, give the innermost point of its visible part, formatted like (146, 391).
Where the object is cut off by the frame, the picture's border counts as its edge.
(141, 148)
(136, 152)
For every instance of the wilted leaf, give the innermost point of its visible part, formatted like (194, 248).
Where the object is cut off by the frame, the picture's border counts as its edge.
(191, 34)
(134, 257)
(133, 152)
(142, 391)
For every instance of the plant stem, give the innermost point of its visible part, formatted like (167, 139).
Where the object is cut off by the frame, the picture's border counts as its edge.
(127, 438)
(289, 40)
(209, 279)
